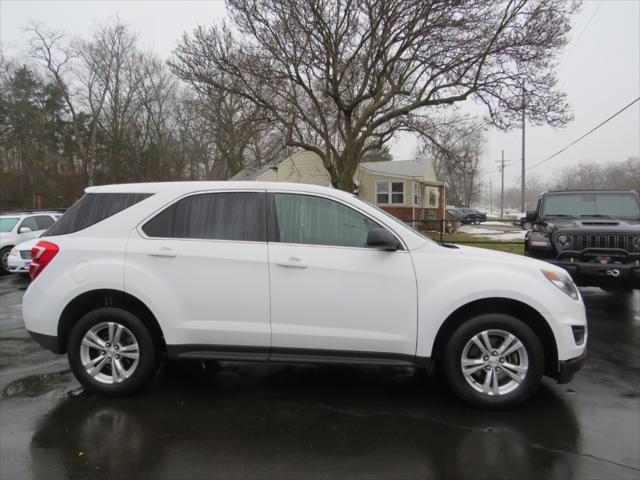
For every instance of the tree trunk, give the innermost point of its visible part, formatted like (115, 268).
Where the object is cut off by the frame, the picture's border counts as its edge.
(348, 162)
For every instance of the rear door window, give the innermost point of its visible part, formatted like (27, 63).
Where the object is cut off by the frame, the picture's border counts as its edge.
(44, 221)
(235, 216)
(93, 208)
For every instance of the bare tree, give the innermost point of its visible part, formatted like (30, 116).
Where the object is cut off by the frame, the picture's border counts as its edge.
(342, 76)
(456, 147)
(244, 133)
(622, 175)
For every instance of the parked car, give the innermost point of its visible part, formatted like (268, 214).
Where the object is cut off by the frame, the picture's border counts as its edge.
(476, 216)
(468, 215)
(462, 216)
(254, 271)
(593, 234)
(20, 256)
(17, 227)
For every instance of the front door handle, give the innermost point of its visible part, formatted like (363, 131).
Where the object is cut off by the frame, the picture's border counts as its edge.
(292, 262)
(162, 252)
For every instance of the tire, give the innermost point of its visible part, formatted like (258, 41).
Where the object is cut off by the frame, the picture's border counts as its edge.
(526, 362)
(4, 258)
(134, 370)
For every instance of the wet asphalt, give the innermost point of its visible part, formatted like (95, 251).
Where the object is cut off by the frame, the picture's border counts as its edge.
(290, 422)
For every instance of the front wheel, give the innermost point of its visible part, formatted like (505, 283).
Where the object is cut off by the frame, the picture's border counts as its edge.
(4, 260)
(494, 361)
(112, 352)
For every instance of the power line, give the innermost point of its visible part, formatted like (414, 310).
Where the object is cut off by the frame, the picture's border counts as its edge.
(566, 57)
(585, 135)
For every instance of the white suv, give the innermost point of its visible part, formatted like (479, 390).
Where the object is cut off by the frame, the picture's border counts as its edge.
(17, 227)
(252, 271)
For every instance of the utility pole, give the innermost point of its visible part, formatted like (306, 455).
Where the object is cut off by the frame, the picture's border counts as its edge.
(501, 162)
(490, 195)
(502, 189)
(522, 205)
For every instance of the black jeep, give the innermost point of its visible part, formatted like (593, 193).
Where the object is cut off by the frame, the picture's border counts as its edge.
(593, 234)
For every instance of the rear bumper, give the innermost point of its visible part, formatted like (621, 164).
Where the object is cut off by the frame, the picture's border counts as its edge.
(568, 368)
(50, 342)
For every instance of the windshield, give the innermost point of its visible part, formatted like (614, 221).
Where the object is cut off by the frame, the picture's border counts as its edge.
(605, 205)
(7, 224)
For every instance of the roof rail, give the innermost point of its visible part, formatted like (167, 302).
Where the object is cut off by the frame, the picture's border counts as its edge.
(32, 211)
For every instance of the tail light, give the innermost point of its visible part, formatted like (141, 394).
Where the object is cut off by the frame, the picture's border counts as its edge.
(41, 256)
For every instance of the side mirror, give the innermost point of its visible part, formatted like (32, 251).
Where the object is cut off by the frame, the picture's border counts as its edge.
(532, 212)
(382, 239)
(24, 230)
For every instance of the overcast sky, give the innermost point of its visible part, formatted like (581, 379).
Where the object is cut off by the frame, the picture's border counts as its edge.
(600, 71)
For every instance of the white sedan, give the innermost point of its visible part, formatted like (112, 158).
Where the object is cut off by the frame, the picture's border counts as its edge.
(20, 256)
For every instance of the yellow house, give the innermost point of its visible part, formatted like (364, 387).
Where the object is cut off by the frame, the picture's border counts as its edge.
(301, 167)
(407, 189)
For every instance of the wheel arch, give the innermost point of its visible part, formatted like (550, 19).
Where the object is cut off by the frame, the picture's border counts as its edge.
(93, 299)
(529, 315)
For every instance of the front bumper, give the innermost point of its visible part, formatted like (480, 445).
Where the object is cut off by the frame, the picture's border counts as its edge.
(568, 368)
(17, 264)
(594, 274)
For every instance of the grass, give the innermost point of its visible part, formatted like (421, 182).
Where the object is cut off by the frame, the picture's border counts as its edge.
(493, 245)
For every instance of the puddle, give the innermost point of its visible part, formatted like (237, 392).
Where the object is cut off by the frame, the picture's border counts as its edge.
(35, 385)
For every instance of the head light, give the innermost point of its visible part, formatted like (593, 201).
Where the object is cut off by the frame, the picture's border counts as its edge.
(563, 282)
(563, 241)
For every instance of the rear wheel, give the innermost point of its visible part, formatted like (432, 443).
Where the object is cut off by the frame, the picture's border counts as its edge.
(494, 361)
(112, 352)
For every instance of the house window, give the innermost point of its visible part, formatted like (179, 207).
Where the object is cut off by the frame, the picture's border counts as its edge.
(433, 195)
(389, 193)
(417, 194)
(382, 192)
(397, 192)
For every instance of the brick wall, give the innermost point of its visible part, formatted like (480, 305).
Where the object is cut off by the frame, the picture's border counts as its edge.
(404, 213)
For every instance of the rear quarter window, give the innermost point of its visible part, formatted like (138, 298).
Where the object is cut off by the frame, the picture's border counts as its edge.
(92, 208)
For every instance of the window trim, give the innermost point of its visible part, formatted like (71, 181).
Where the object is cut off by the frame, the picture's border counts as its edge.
(175, 200)
(390, 193)
(417, 198)
(271, 213)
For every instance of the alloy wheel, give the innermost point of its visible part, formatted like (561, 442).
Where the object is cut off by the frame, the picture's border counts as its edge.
(109, 352)
(494, 362)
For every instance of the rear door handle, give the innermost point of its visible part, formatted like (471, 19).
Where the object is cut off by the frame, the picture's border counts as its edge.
(162, 252)
(292, 262)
